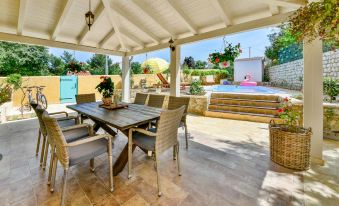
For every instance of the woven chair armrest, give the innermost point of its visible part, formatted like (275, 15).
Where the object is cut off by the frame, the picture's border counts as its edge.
(78, 126)
(88, 139)
(56, 113)
(67, 118)
(144, 131)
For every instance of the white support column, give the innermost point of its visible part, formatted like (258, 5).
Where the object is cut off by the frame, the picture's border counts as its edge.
(313, 96)
(126, 79)
(175, 72)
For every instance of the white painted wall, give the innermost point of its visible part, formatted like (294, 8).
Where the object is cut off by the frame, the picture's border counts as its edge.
(252, 66)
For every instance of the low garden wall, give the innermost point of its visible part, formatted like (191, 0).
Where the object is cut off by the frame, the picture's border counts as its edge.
(290, 75)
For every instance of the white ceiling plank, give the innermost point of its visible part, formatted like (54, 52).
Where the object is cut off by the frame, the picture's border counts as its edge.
(133, 38)
(274, 9)
(112, 17)
(247, 26)
(182, 16)
(148, 12)
(221, 12)
(57, 44)
(98, 13)
(106, 38)
(21, 18)
(137, 25)
(62, 18)
(283, 3)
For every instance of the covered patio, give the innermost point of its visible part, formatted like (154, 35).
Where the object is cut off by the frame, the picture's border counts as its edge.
(229, 166)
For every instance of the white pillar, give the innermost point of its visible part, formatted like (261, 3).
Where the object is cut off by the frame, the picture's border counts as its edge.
(125, 79)
(175, 72)
(313, 96)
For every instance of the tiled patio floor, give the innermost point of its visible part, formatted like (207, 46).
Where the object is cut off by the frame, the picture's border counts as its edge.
(227, 163)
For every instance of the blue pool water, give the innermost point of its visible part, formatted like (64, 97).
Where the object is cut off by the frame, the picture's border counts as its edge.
(243, 89)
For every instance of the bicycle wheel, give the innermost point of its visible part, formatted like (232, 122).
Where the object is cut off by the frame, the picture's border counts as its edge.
(43, 101)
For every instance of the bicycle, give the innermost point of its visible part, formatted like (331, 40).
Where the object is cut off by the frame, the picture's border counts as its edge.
(40, 97)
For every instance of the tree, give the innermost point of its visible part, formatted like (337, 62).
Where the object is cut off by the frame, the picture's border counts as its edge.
(200, 64)
(68, 57)
(23, 59)
(56, 66)
(114, 69)
(189, 61)
(97, 64)
(136, 68)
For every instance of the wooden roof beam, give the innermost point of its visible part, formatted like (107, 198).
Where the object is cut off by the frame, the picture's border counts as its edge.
(221, 12)
(21, 18)
(274, 9)
(284, 3)
(62, 18)
(106, 38)
(132, 38)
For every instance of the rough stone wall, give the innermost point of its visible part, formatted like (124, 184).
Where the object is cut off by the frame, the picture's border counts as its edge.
(290, 75)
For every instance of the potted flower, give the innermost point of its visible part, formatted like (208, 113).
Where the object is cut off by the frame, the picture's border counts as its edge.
(224, 59)
(106, 88)
(289, 142)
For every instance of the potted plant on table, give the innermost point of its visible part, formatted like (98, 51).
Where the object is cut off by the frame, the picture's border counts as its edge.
(224, 59)
(106, 88)
(290, 143)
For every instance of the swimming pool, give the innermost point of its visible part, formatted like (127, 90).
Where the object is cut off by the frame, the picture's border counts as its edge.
(243, 89)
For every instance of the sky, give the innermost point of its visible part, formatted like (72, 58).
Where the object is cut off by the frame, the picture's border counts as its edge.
(255, 41)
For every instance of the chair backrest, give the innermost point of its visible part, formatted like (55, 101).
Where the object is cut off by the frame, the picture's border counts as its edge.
(162, 78)
(167, 130)
(177, 102)
(156, 100)
(140, 98)
(39, 111)
(58, 140)
(85, 98)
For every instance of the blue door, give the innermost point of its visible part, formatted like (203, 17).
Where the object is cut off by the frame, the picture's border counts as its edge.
(68, 89)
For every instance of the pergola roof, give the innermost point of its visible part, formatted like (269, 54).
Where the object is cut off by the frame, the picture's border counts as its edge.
(128, 27)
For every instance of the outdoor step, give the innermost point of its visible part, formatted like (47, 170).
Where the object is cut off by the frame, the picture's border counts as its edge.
(244, 103)
(242, 116)
(245, 96)
(250, 110)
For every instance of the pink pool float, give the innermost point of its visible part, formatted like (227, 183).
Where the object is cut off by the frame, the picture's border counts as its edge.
(247, 81)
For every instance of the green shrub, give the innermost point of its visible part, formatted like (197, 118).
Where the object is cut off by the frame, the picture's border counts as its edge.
(14, 80)
(196, 88)
(5, 93)
(196, 72)
(331, 88)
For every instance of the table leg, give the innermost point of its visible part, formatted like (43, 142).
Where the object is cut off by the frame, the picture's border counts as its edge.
(122, 160)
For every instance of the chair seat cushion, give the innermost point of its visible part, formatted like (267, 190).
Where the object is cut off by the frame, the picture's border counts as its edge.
(144, 141)
(87, 151)
(76, 134)
(66, 123)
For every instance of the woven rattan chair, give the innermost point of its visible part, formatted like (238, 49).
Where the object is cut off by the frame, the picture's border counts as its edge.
(140, 98)
(177, 102)
(65, 121)
(158, 139)
(156, 100)
(84, 98)
(70, 154)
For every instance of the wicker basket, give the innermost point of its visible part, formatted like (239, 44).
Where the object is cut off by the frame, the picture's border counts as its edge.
(289, 148)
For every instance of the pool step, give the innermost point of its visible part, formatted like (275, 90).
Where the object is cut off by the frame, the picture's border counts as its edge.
(249, 107)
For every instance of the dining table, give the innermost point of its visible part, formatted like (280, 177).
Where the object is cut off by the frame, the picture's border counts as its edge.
(122, 119)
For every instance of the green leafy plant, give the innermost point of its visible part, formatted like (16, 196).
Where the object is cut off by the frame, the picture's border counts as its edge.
(74, 66)
(196, 88)
(288, 113)
(5, 93)
(331, 88)
(106, 87)
(230, 53)
(14, 80)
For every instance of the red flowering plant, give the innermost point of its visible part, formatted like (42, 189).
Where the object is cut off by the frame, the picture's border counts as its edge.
(230, 53)
(74, 66)
(288, 113)
(106, 87)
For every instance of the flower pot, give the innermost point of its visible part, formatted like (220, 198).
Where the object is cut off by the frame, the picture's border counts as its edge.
(107, 100)
(224, 64)
(290, 147)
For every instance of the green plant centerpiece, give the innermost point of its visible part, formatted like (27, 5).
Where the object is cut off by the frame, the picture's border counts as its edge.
(106, 89)
(224, 59)
(290, 143)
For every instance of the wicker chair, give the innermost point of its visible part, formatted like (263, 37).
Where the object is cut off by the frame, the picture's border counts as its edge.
(176, 102)
(84, 98)
(70, 154)
(65, 121)
(156, 100)
(140, 98)
(157, 139)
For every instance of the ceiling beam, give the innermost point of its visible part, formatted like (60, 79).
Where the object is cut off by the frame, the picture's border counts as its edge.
(137, 25)
(182, 16)
(274, 9)
(221, 12)
(133, 38)
(57, 44)
(21, 18)
(284, 3)
(256, 24)
(112, 18)
(106, 38)
(98, 13)
(148, 12)
(62, 18)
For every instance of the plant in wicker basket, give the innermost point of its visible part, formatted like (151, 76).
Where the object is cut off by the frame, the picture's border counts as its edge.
(289, 114)
(106, 88)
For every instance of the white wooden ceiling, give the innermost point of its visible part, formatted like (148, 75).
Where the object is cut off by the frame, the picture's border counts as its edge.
(125, 27)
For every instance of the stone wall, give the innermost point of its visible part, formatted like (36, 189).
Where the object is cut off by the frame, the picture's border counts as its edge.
(290, 75)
